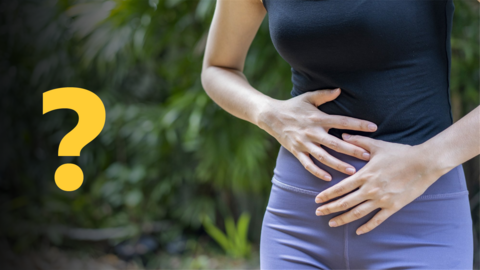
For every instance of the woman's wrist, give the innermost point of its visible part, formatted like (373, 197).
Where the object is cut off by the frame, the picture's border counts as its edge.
(265, 113)
(454, 145)
(435, 158)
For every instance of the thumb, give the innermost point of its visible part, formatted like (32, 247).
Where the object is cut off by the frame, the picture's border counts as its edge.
(319, 97)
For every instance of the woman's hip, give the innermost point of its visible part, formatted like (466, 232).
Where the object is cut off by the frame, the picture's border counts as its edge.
(290, 172)
(432, 231)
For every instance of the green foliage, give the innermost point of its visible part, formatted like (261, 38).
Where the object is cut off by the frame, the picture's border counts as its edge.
(167, 151)
(234, 242)
(465, 69)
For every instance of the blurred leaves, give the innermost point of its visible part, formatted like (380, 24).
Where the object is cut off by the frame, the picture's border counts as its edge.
(167, 151)
(465, 68)
(234, 242)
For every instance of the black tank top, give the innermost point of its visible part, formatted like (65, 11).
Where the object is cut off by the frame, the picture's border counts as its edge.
(391, 58)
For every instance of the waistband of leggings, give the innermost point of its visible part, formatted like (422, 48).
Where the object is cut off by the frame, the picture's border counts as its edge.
(420, 198)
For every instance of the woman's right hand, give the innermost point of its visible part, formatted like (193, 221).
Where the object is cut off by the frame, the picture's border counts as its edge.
(300, 127)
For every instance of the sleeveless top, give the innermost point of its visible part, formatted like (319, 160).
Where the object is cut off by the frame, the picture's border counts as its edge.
(391, 58)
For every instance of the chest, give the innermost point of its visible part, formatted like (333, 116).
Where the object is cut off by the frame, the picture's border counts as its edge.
(355, 34)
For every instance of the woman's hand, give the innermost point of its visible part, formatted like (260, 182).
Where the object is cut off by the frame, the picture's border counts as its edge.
(396, 175)
(300, 127)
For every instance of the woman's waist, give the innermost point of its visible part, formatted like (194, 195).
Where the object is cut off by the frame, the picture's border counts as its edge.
(396, 124)
(408, 115)
(290, 173)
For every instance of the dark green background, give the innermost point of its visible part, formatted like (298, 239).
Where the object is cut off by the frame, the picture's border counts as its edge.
(167, 154)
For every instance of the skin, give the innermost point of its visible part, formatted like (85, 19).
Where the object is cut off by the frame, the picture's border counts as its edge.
(233, 28)
(395, 175)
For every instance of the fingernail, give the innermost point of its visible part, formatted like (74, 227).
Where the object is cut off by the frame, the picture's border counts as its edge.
(335, 90)
(359, 232)
(372, 126)
(317, 200)
(350, 170)
(319, 213)
(346, 136)
(328, 177)
(332, 223)
(366, 155)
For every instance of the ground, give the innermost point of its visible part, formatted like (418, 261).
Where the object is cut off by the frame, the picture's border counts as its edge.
(52, 258)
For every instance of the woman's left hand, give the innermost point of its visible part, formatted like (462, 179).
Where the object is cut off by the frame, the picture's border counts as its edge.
(395, 175)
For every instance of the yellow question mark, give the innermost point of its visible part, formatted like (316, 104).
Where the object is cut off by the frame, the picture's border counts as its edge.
(91, 119)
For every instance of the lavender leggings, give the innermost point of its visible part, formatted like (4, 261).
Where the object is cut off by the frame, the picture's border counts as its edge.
(432, 232)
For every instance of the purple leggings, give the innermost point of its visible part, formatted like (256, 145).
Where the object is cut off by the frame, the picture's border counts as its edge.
(432, 232)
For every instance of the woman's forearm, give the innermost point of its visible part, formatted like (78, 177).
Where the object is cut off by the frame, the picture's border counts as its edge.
(455, 145)
(230, 89)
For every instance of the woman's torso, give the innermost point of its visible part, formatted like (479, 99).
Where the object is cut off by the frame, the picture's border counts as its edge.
(391, 58)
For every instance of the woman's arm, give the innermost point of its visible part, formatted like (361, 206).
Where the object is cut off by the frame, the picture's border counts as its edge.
(233, 28)
(296, 123)
(455, 145)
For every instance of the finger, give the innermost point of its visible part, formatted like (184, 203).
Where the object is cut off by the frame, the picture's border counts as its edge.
(324, 157)
(344, 203)
(346, 185)
(345, 122)
(338, 145)
(376, 220)
(308, 164)
(321, 96)
(362, 141)
(352, 215)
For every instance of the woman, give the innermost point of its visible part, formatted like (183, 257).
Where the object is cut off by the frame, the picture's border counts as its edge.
(369, 174)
